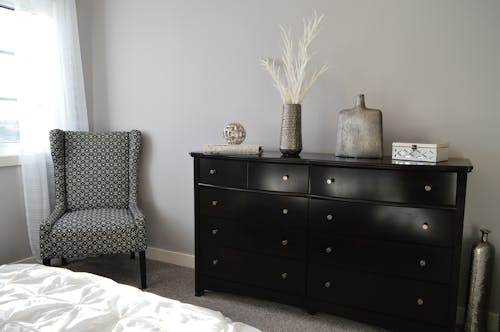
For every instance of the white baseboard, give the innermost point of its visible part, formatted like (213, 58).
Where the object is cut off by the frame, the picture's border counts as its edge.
(492, 319)
(172, 257)
(27, 260)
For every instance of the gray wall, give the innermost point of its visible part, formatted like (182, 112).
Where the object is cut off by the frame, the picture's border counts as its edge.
(14, 244)
(180, 70)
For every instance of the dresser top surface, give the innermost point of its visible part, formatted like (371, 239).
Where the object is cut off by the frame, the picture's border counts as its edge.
(453, 164)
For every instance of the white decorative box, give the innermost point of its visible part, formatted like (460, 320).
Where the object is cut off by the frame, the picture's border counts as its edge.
(420, 152)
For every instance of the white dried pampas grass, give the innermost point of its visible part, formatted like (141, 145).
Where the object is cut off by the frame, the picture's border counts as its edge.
(296, 85)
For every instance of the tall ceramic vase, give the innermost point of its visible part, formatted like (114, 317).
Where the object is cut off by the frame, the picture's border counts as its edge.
(291, 130)
(476, 319)
(359, 132)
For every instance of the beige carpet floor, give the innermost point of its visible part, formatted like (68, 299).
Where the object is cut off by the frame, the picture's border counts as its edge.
(178, 283)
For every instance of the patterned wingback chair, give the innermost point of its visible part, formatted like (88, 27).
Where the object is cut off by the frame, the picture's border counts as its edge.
(95, 209)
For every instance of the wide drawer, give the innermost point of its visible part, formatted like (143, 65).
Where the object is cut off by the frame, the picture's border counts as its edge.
(422, 301)
(223, 172)
(222, 203)
(267, 272)
(396, 259)
(433, 188)
(285, 242)
(278, 177)
(402, 224)
(254, 208)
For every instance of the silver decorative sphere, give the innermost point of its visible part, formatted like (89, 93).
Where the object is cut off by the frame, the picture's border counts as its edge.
(234, 133)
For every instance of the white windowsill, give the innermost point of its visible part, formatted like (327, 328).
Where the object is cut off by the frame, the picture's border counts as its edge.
(9, 160)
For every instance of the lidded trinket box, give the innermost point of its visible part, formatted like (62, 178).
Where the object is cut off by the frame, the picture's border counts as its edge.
(420, 152)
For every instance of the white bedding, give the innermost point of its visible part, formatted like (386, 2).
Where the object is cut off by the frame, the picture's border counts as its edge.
(39, 298)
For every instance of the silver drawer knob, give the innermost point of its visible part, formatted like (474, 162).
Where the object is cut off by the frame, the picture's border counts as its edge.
(215, 261)
(285, 177)
(284, 242)
(285, 211)
(214, 203)
(428, 188)
(422, 263)
(327, 284)
(420, 301)
(330, 181)
(328, 250)
(284, 276)
(425, 226)
(213, 171)
(329, 217)
(215, 231)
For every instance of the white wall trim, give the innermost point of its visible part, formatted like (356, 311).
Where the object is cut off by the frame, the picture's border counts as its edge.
(492, 319)
(9, 160)
(27, 260)
(172, 257)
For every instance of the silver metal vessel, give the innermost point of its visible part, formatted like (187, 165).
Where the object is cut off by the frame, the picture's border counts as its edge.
(480, 281)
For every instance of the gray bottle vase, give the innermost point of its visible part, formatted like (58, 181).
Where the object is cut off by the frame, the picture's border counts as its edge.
(359, 131)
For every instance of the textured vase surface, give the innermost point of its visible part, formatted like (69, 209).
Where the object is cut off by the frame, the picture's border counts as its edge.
(359, 131)
(291, 130)
(476, 318)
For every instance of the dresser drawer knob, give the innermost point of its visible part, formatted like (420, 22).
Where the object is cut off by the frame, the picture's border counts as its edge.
(422, 263)
(330, 181)
(215, 231)
(215, 262)
(328, 250)
(425, 226)
(284, 275)
(420, 302)
(329, 217)
(285, 211)
(284, 242)
(428, 188)
(285, 177)
(328, 284)
(213, 172)
(214, 203)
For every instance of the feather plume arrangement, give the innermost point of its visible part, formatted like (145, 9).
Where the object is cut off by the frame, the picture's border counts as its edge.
(296, 83)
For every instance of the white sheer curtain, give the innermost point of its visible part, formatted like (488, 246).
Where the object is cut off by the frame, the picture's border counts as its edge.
(50, 95)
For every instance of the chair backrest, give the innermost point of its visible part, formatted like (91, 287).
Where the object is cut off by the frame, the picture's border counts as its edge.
(96, 168)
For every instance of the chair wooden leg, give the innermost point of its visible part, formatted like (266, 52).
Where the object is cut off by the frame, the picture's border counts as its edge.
(142, 264)
(132, 255)
(46, 261)
(64, 261)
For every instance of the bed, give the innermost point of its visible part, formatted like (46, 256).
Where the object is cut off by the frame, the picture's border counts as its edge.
(40, 298)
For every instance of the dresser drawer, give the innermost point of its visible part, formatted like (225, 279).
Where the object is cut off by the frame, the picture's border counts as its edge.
(277, 210)
(223, 172)
(396, 259)
(258, 238)
(223, 203)
(393, 223)
(434, 188)
(278, 177)
(268, 272)
(422, 301)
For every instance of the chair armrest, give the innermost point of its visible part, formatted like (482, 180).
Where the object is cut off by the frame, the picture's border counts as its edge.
(52, 218)
(137, 214)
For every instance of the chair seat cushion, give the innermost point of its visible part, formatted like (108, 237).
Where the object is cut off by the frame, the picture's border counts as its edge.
(93, 232)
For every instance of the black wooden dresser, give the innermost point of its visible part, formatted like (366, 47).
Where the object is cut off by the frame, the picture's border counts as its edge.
(373, 240)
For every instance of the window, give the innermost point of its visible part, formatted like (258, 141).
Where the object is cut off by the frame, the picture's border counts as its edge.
(9, 125)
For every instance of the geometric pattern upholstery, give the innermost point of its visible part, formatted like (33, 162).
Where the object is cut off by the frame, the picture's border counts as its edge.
(104, 230)
(95, 210)
(96, 168)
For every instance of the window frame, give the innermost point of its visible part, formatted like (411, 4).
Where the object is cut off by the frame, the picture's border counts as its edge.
(9, 152)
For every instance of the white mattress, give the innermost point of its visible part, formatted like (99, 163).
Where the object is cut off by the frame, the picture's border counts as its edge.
(39, 298)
